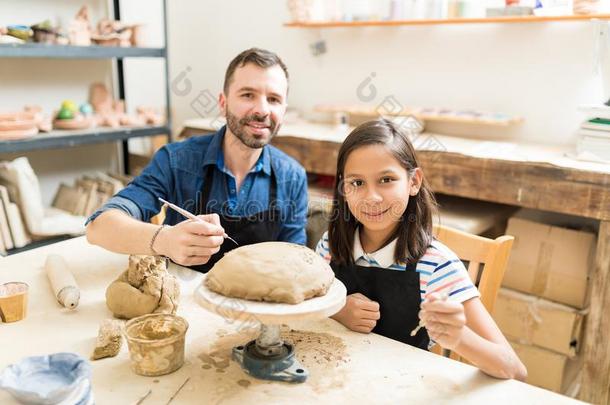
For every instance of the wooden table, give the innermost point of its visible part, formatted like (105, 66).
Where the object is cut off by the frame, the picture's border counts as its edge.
(530, 176)
(372, 369)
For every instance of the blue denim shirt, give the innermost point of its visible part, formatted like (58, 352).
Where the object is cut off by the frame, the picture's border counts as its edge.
(176, 173)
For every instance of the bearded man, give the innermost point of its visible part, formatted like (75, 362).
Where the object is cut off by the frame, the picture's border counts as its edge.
(235, 182)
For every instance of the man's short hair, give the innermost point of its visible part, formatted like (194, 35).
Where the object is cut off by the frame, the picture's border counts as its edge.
(260, 57)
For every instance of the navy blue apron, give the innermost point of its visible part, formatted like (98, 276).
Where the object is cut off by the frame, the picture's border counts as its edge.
(263, 226)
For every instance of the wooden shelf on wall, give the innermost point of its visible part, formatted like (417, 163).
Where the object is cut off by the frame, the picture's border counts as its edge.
(487, 20)
(431, 115)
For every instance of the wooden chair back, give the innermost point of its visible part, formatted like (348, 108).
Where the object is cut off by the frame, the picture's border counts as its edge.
(485, 259)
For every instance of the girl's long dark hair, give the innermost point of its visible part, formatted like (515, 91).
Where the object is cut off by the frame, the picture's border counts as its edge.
(414, 231)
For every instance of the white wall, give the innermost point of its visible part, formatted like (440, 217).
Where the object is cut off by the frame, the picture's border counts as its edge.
(540, 71)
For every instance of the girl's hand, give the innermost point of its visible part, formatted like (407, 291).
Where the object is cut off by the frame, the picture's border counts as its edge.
(359, 314)
(444, 320)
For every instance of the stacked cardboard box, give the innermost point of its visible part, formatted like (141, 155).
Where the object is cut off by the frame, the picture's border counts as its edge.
(542, 307)
(546, 336)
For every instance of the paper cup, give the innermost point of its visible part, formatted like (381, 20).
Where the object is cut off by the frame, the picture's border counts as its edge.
(13, 301)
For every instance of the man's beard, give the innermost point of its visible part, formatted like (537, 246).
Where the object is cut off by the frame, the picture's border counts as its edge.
(237, 127)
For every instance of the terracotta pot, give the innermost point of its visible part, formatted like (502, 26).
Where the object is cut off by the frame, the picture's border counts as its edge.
(19, 121)
(586, 6)
(105, 41)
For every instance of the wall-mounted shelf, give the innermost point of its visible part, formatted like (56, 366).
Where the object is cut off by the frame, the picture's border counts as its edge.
(77, 52)
(391, 23)
(428, 114)
(67, 139)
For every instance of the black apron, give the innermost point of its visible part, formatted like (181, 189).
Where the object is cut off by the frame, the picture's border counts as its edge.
(263, 226)
(398, 295)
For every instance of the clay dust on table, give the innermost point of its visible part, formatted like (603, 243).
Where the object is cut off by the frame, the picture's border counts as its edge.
(322, 354)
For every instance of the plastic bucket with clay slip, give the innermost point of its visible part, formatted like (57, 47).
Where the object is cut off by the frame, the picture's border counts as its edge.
(156, 343)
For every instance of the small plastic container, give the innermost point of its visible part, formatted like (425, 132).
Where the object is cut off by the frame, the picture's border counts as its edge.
(156, 343)
(13, 301)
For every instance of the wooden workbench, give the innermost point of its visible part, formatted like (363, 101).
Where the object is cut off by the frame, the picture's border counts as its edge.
(524, 175)
(372, 369)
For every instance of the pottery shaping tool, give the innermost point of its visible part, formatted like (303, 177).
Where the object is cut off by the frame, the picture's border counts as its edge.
(444, 297)
(62, 281)
(191, 216)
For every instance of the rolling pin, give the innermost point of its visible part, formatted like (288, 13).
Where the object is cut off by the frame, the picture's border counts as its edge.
(62, 281)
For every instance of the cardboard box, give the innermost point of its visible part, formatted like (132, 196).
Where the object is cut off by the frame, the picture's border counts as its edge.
(547, 369)
(472, 216)
(550, 261)
(535, 321)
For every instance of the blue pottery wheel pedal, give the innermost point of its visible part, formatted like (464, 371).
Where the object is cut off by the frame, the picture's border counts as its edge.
(268, 357)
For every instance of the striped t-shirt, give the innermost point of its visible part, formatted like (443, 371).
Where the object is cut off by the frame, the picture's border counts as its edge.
(440, 270)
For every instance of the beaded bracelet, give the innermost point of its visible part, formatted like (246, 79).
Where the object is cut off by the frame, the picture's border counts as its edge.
(152, 240)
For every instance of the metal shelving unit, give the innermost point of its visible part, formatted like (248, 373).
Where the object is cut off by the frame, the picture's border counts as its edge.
(67, 139)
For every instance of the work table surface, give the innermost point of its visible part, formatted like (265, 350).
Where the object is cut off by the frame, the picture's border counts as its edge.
(372, 369)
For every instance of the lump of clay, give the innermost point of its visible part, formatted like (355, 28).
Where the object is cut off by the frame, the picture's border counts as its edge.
(271, 271)
(144, 288)
(109, 339)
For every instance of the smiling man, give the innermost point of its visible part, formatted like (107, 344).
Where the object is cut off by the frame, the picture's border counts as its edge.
(234, 180)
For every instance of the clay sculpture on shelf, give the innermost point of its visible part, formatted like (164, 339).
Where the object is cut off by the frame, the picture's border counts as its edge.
(71, 117)
(43, 121)
(8, 39)
(45, 33)
(23, 124)
(17, 125)
(23, 32)
(144, 288)
(108, 112)
(112, 33)
(111, 113)
(151, 116)
(79, 29)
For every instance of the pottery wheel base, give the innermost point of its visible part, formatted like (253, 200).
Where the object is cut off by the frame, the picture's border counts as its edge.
(269, 358)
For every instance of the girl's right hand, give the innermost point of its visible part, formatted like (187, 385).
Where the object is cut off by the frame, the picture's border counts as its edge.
(190, 243)
(359, 314)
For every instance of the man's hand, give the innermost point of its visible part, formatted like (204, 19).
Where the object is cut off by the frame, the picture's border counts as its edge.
(444, 320)
(190, 242)
(359, 314)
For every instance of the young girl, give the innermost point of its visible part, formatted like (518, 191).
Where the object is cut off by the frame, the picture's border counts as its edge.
(380, 245)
